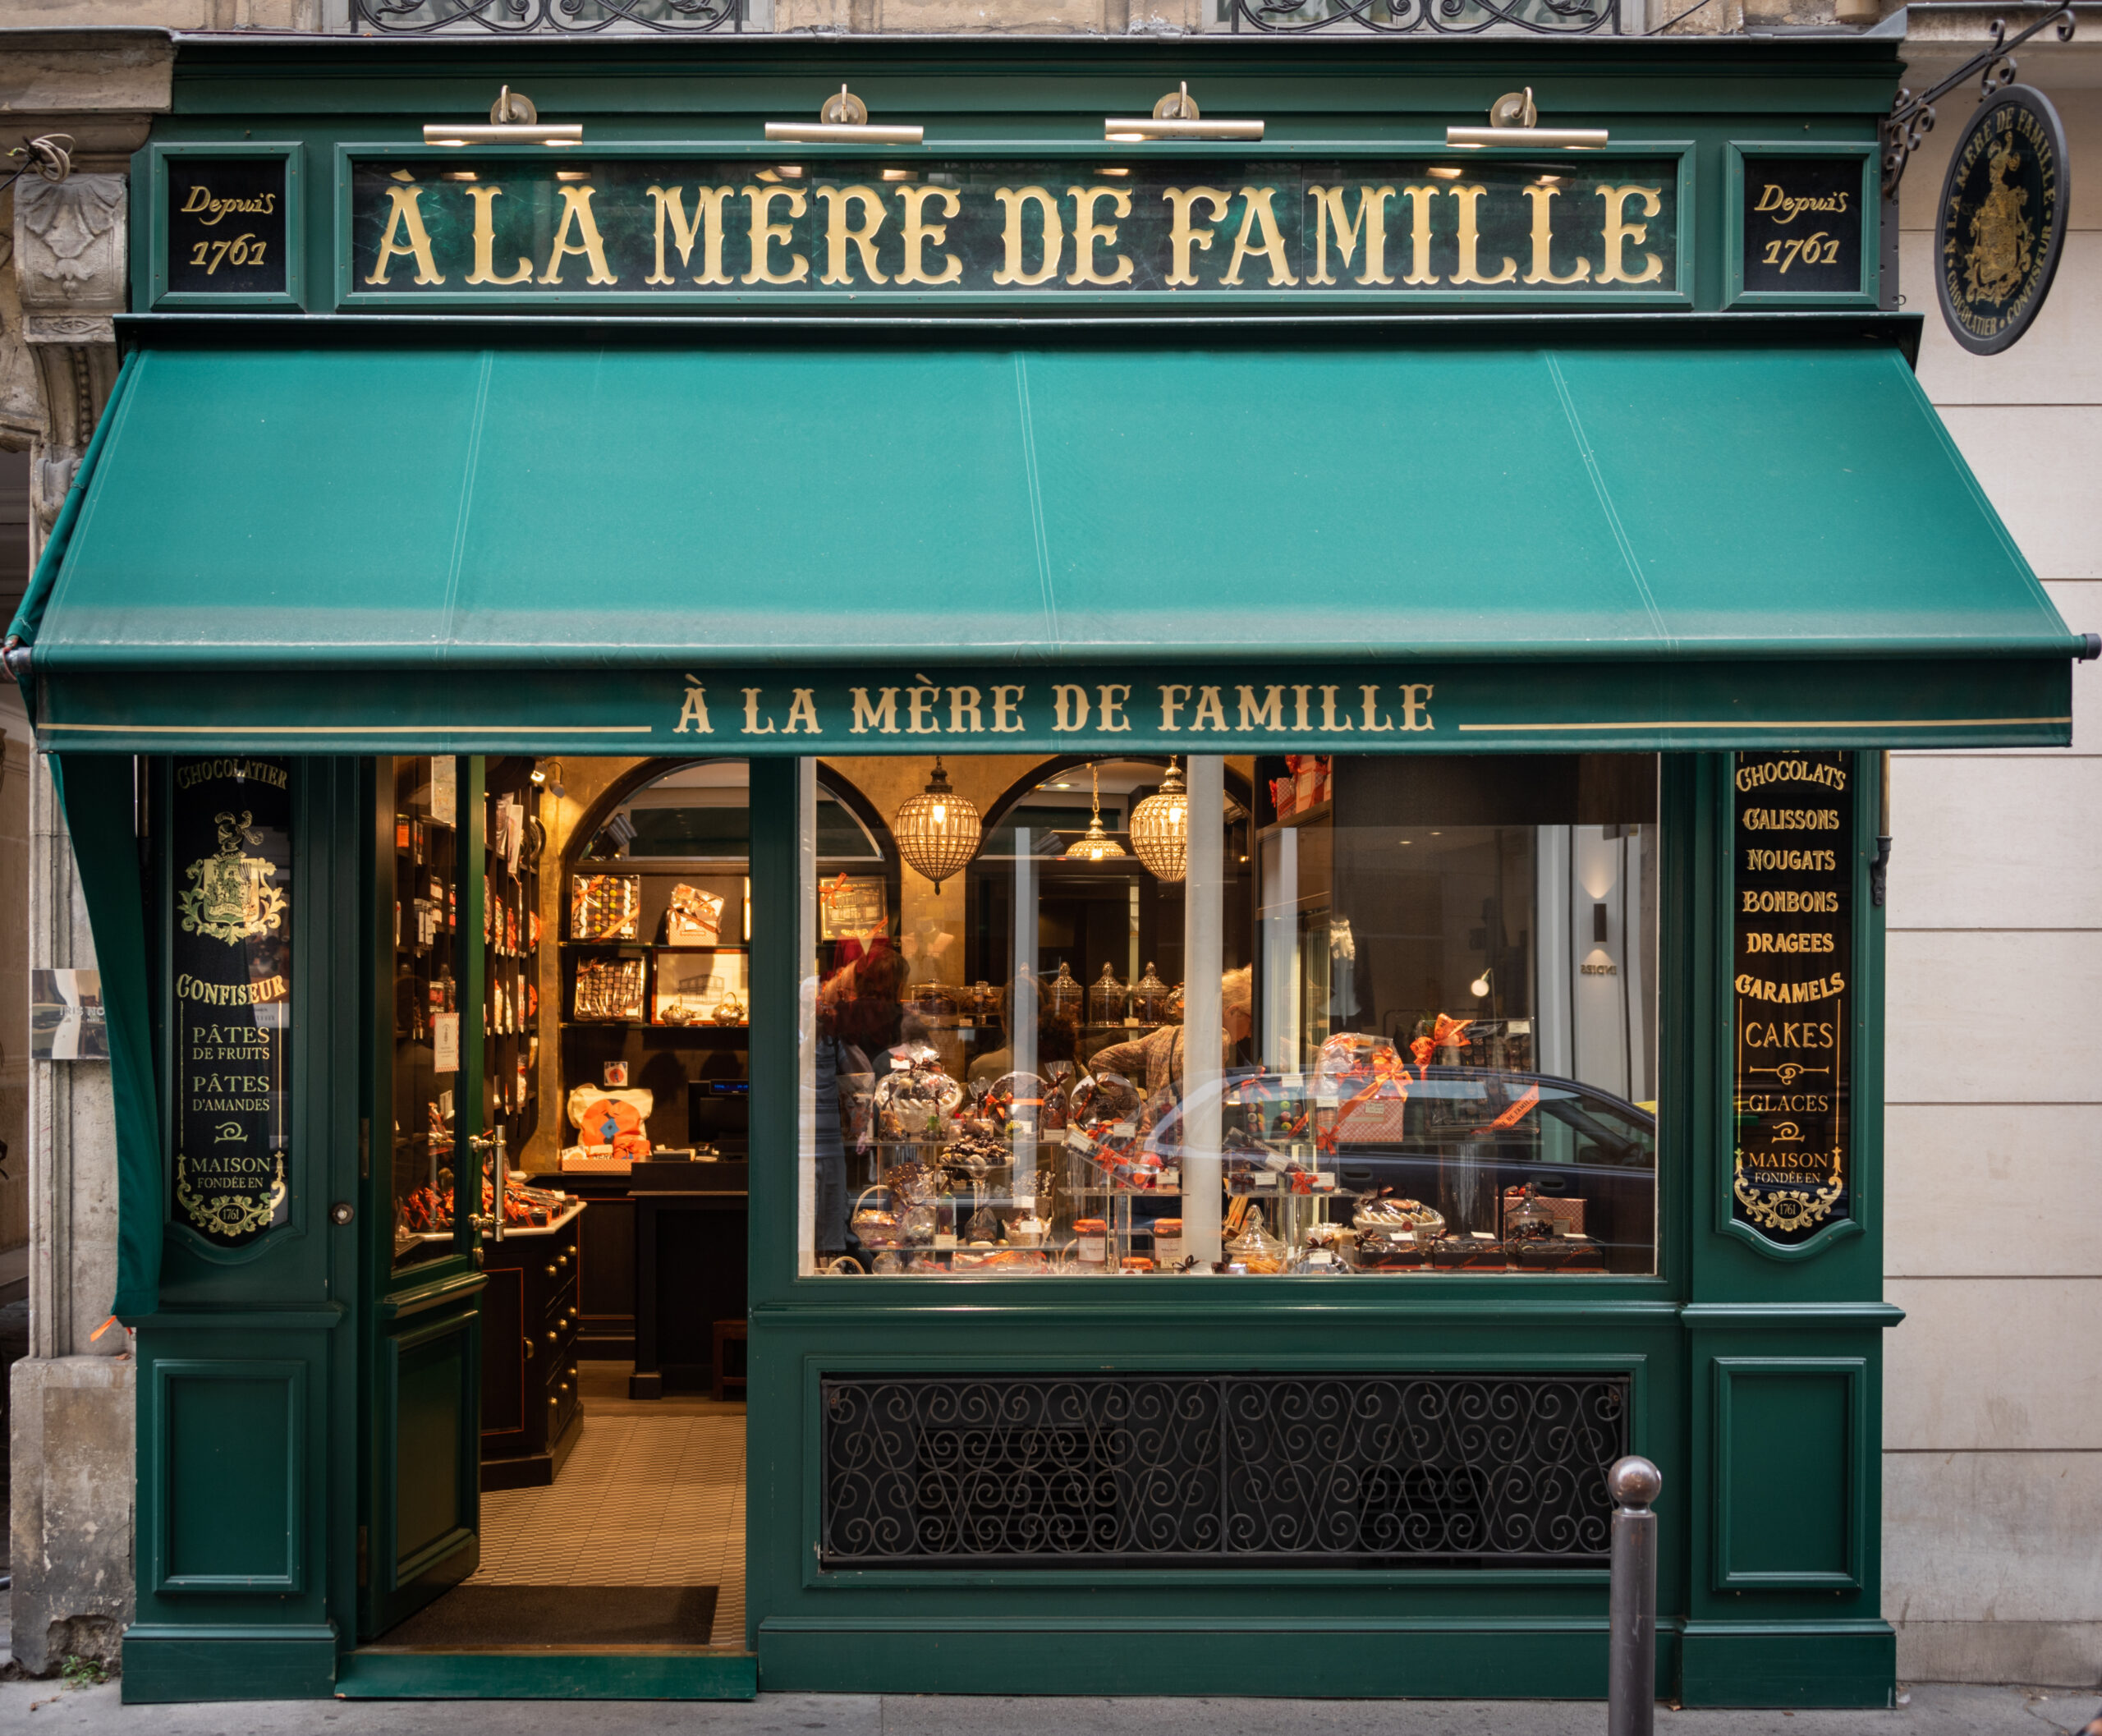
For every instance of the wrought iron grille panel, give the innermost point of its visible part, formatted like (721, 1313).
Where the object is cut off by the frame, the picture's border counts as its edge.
(545, 17)
(1438, 17)
(1220, 1470)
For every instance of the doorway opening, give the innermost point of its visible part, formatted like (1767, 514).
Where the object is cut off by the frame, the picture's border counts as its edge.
(576, 1159)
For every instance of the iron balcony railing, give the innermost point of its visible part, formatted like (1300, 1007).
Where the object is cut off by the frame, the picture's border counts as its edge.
(699, 17)
(1436, 17)
(546, 18)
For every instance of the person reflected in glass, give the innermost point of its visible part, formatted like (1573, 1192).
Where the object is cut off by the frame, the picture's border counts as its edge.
(1057, 1038)
(860, 1013)
(1153, 1062)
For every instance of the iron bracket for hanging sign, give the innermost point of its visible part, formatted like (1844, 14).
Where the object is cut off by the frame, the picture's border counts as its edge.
(50, 156)
(1911, 117)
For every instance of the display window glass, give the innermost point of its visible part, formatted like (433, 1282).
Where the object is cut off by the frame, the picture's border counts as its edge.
(653, 984)
(429, 973)
(1427, 984)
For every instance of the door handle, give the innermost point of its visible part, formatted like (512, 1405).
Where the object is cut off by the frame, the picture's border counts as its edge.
(489, 1148)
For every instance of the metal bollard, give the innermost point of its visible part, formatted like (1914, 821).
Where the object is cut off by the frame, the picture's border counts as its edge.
(1632, 1662)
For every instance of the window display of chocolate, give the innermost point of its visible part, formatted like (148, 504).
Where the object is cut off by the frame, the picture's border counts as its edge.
(608, 988)
(693, 917)
(428, 1212)
(669, 1007)
(1433, 983)
(604, 907)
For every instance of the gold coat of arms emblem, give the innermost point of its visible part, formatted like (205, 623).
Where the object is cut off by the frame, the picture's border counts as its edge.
(230, 898)
(2003, 240)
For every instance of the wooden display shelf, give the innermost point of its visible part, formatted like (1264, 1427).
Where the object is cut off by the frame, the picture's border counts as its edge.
(657, 946)
(1301, 817)
(644, 1025)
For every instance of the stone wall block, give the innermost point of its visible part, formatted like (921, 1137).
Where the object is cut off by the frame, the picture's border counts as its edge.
(72, 1450)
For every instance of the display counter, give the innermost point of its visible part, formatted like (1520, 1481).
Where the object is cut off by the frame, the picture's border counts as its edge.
(531, 1411)
(690, 1257)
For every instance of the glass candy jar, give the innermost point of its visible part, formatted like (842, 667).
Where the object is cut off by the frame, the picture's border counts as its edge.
(1255, 1249)
(1062, 994)
(1149, 999)
(1108, 1000)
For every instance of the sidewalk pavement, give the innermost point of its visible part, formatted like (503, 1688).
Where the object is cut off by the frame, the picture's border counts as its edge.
(47, 1709)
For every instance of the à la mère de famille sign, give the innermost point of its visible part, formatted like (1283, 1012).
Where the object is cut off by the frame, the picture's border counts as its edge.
(445, 226)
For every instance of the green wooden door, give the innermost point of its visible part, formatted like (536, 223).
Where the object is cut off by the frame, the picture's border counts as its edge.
(423, 1160)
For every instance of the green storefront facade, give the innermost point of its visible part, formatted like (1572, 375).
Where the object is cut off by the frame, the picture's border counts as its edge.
(1342, 439)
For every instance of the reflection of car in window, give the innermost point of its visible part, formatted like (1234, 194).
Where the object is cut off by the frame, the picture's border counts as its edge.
(1466, 1141)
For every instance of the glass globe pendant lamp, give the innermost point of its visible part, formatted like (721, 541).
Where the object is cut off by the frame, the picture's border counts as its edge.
(938, 832)
(1160, 828)
(1097, 846)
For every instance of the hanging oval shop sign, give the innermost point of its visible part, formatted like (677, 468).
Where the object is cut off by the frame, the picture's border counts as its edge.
(2002, 220)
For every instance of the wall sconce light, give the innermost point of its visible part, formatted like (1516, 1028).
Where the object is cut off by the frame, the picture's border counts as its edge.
(1514, 119)
(1176, 116)
(1480, 987)
(513, 120)
(844, 119)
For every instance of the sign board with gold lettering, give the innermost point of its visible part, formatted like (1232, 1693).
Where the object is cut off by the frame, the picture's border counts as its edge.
(229, 999)
(1433, 705)
(1792, 965)
(2001, 222)
(229, 232)
(1803, 224)
(430, 230)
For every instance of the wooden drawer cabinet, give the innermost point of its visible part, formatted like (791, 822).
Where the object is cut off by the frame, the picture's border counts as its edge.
(530, 1411)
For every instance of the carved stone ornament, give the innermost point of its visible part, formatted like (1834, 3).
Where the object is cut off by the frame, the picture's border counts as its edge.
(22, 395)
(69, 281)
(69, 248)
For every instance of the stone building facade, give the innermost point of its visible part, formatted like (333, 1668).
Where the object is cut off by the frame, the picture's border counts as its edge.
(1993, 1414)
(70, 1397)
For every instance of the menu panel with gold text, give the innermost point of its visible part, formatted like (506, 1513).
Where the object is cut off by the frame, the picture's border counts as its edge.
(1792, 966)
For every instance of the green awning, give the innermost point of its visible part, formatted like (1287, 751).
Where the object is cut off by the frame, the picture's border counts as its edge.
(1658, 545)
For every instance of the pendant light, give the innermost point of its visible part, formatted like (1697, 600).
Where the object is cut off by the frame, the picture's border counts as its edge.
(937, 832)
(1097, 846)
(1160, 828)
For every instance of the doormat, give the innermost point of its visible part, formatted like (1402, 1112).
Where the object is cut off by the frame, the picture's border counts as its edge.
(481, 1616)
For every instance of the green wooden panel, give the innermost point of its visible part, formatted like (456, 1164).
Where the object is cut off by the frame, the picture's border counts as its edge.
(230, 1446)
(641, 1674)
(1279, 1657)
(167, 1663)
(1793, 1664)
(1787, 1471)
(431, 1386)
(233, 1467)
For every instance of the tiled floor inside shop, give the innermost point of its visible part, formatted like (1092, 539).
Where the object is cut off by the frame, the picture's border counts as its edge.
(654, 1495)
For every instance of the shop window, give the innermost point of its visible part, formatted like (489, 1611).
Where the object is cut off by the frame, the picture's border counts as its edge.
(655, 983)
(1433, 981)
(429, 975)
